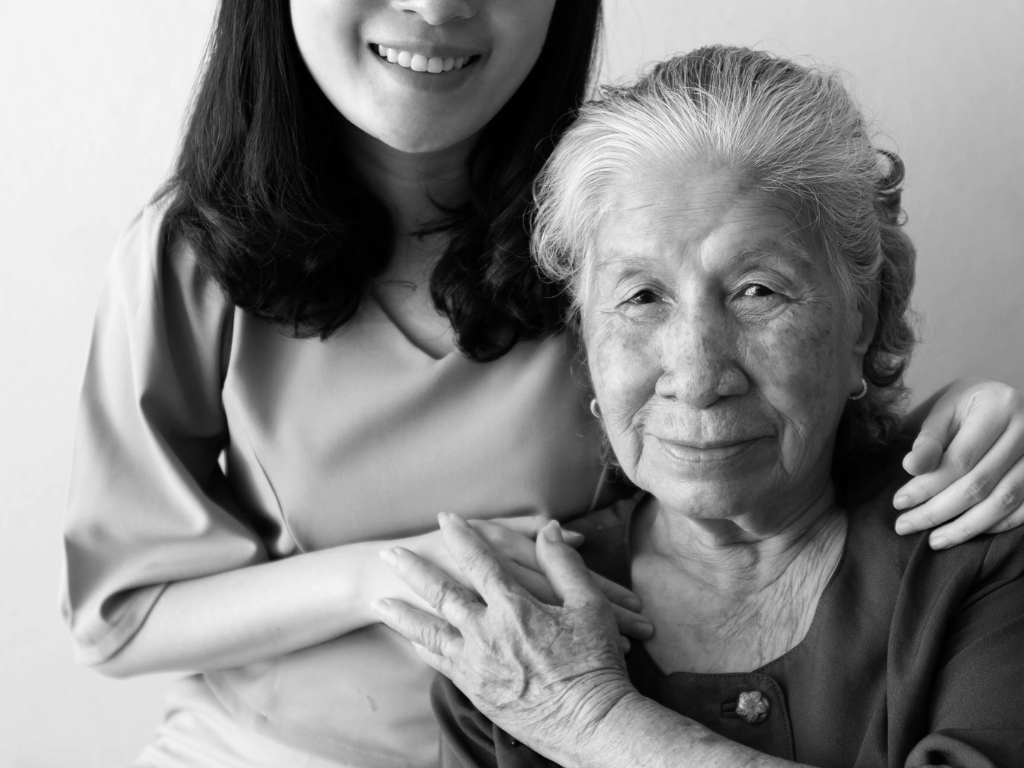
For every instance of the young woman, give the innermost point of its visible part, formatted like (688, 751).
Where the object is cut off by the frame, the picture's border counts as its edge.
(326, 330)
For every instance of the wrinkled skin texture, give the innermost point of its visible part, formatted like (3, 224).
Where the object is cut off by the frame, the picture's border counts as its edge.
(548, 674)
(720, 349)
(722, 355)
(554, 678)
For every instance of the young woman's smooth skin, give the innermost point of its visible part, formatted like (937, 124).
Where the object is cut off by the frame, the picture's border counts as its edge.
(402, 104)
(411, 130)
(409, 133)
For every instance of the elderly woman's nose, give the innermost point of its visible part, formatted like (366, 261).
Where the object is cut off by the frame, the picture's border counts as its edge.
(437, 12)
(698, 361)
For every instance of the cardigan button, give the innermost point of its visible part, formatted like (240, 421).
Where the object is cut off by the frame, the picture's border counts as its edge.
(752, 706)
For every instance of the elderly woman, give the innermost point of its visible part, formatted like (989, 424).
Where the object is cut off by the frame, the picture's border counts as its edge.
(733, 246)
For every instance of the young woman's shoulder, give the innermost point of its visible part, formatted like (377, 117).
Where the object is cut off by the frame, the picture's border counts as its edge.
(152, 262)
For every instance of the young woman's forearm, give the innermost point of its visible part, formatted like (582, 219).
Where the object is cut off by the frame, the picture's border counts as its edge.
(257, 613)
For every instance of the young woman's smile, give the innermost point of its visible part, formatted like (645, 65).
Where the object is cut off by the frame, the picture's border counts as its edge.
(420, 75)
(433, 69)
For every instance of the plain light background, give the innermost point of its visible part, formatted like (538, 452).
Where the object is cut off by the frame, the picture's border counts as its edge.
(92, 99)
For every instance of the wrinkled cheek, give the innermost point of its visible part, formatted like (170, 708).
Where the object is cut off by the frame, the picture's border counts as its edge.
(624, 369)
(801, 373)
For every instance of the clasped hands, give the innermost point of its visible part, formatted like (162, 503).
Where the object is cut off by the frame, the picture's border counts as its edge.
(548, 674)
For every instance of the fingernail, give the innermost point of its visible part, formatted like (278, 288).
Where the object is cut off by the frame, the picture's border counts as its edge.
(903, 527)
(633, 604)
(442, 518)
(902, 501)
(571, 535)
(553, 532)
(389, 556)
(645, 627)
(938, 542)
(380, 606)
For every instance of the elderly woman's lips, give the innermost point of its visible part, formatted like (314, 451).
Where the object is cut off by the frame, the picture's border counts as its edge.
(708, 451)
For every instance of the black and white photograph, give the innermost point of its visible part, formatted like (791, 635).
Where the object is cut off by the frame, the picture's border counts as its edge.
(512, 384)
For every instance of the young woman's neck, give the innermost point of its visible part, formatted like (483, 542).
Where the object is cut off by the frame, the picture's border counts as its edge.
(411, 184)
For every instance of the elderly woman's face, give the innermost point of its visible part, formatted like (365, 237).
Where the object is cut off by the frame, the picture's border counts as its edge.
(720, 348)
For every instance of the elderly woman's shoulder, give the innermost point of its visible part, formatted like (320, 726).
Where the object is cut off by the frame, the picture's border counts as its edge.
(867, 486)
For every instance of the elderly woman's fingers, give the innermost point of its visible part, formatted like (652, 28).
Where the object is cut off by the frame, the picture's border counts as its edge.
(432, 633)
(509, 545)
(999, 511)
(443, 665)
(962, 491)
(526, 572)
(625, 605)
(632, 624)
(525, 525)
(535, 583)
(449, 598)
(474, 557)
(565, 569)
(616, 593)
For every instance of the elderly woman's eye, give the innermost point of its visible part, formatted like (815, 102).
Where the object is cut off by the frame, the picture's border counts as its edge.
(756, 291)
(642, 297)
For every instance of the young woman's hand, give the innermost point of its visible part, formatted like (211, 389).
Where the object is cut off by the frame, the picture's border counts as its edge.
(968, 462)
(512, 542)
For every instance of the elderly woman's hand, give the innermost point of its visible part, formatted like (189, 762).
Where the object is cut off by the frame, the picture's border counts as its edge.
(511, 541)
(968, 458)
(548, 674)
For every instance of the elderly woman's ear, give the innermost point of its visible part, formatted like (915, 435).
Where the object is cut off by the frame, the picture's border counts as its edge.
(864, 327)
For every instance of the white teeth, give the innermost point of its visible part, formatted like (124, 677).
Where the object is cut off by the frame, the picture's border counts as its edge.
(418, 62)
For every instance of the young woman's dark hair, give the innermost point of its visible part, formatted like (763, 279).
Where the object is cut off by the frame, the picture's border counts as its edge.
(264, 193)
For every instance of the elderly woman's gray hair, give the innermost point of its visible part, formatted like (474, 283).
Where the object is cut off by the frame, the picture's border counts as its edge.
(804, 138)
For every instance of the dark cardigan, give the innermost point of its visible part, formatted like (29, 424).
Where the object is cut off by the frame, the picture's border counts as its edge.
(913, 658)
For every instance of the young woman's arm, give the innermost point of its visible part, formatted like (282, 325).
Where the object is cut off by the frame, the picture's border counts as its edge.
(165, 569)
(258, 612)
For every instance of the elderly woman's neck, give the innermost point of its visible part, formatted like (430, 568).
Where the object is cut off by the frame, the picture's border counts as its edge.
(748, 553)
(731, 595)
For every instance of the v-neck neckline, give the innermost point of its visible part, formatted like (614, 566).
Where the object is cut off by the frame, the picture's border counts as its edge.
(408, 333)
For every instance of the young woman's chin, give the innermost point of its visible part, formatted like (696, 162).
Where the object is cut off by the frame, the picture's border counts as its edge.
(425, 77)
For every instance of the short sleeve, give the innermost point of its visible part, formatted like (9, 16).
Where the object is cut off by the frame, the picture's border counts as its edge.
(148, 503)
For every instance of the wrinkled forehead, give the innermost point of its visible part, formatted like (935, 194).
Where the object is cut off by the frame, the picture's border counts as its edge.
(655, 209)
